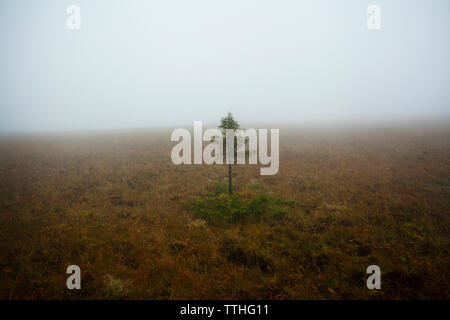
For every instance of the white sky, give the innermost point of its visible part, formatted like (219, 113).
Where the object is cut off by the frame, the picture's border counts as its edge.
(144, 63)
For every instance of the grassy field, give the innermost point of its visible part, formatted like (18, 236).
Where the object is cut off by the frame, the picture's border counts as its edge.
(114, 204)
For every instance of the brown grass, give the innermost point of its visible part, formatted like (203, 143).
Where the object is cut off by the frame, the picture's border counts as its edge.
(111, 203)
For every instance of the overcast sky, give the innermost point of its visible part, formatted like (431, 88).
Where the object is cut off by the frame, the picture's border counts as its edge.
(144, 63)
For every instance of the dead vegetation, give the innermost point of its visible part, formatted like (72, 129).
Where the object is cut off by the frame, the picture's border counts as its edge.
(112, 203)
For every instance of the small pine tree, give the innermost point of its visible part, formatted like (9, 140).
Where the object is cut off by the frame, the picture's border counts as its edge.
(228, 122)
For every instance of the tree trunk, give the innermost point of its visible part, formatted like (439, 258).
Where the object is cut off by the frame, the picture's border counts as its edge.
(230, 189)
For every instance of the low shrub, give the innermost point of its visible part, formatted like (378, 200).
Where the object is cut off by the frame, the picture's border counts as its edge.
(238, 207)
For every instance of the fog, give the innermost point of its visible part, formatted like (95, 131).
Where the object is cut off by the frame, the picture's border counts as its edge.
(137, 64)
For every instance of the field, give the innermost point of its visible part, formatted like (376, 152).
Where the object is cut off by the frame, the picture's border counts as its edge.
(115, 205)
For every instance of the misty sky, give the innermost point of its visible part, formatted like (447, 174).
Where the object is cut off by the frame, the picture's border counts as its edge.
(144, 63)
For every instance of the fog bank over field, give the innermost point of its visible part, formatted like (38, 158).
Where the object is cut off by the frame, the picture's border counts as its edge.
(156, 64)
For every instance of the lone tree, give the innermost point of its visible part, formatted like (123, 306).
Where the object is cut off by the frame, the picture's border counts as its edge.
(228, 122)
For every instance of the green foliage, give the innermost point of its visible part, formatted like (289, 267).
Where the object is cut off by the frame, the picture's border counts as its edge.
(228, 122)
(237, 207)
(219, 188)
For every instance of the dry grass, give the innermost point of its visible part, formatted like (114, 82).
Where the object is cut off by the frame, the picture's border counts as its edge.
(111, 203)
